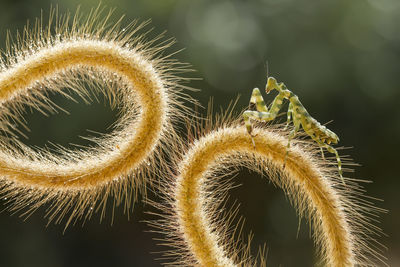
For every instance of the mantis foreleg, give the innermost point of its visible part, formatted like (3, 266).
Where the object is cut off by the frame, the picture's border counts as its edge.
(262, 113)
(258, 101)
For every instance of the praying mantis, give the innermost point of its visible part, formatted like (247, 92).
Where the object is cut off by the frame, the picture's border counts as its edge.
(296, 113)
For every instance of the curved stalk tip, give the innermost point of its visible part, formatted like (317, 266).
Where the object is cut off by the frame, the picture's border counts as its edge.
(341, 225)
(131, 73)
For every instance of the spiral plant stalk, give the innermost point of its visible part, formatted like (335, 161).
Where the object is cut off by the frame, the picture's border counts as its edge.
(135, 77)
(73, 55)
(200, 236)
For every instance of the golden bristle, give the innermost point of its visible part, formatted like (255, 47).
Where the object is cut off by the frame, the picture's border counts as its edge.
(199, 235)
(134, 76)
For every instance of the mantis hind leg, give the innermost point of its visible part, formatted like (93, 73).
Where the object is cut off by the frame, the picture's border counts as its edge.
(332, 150)
(322, 153)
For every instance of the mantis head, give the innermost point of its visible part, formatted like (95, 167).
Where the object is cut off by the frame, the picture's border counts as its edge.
(271, 85)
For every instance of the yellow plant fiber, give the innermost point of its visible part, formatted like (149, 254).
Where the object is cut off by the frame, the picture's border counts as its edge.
(133, 76)
(203, 237)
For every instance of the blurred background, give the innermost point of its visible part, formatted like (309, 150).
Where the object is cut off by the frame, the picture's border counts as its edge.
(340, 57)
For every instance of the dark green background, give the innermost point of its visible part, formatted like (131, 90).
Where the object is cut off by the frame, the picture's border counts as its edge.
(340, 57)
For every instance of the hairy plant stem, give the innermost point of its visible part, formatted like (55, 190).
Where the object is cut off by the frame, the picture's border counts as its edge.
(79, 56)
(97, 54)
(300, 174)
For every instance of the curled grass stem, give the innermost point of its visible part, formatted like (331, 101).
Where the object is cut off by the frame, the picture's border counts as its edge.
(131, 73)
(340, 224)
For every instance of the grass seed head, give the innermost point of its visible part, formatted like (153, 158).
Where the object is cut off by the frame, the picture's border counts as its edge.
(84, 53)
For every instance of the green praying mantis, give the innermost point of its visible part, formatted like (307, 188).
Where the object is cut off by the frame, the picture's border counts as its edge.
(296, 113)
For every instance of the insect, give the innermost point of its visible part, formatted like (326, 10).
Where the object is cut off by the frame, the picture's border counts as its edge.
(296, 113)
